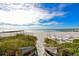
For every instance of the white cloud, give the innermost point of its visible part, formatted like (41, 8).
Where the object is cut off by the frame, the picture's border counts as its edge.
(25, 13)
(17, 16)
(52, 23)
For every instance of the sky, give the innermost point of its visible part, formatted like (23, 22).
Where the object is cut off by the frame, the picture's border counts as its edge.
(40, 15)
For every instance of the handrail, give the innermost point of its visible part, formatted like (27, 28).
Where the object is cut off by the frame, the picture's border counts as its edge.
(28, 51)
(49, 52)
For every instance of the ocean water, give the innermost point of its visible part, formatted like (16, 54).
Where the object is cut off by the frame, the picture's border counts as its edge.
(52, 30)
(30, 30)
(41, 30)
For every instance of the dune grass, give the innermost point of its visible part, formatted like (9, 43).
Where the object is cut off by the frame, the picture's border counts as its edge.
(66, 48)
(51, 42)
(15, 42)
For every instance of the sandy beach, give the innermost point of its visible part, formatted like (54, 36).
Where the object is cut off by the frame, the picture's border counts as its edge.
(41, 35)
(59, 35)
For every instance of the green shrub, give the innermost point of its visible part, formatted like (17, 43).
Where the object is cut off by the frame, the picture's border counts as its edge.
(15, 42)
(75, 41)
(50, 42)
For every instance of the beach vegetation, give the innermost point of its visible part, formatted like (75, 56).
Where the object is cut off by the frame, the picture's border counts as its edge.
(51, 42)
(15, 42)
(66, 48)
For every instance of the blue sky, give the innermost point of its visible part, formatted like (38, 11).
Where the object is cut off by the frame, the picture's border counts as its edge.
(41, 15)
(70, 19)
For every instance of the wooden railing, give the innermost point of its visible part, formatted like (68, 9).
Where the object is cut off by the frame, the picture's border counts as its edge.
(27, 51)
(49, 51)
